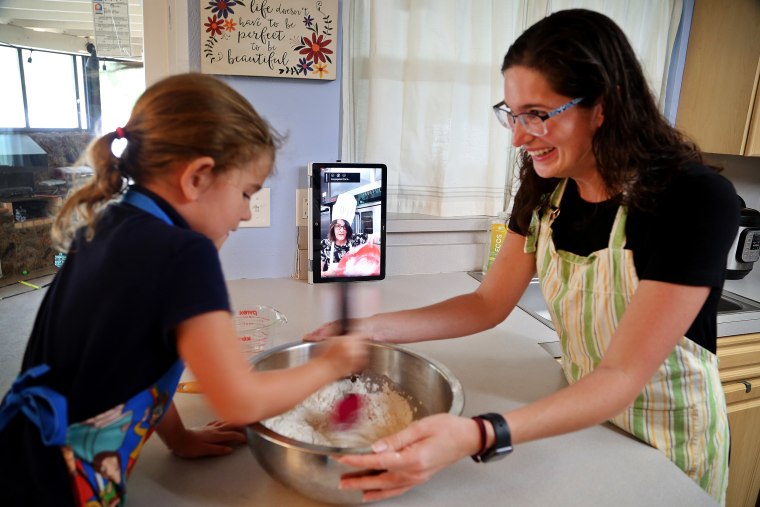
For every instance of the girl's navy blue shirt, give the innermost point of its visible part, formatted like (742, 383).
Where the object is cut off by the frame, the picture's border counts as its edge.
(107, 325)
(107, 329)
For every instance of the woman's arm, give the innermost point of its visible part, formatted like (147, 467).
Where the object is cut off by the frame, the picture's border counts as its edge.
(657, 318)
(462, 315)
(239, 395)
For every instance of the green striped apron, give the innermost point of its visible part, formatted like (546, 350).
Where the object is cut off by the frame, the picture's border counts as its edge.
(682, 410)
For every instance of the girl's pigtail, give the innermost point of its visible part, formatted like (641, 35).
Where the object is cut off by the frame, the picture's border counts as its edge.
(85, 204)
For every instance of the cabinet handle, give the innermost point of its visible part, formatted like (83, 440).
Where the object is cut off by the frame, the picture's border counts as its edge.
(747, 386)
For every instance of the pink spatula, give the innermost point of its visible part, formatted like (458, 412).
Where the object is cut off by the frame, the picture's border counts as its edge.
(346, 411)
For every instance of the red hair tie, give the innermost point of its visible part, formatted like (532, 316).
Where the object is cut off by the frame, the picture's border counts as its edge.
(120, 133)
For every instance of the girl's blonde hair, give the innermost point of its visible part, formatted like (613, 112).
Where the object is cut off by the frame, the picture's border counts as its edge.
(176, 120)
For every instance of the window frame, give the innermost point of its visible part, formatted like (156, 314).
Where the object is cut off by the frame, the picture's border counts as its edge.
(87, 111)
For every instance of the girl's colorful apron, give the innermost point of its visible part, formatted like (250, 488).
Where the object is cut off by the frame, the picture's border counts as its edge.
(682, 410)
(101, 451)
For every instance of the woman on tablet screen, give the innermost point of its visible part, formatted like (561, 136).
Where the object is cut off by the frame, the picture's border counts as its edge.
(340, 240)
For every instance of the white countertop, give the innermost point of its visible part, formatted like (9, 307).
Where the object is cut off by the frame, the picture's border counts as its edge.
(499, 369)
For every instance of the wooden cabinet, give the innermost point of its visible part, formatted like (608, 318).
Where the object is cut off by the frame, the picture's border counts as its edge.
(740, 374)
(718, 104)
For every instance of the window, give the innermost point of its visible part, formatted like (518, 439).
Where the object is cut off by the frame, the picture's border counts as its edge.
(11, 95)
(87, 92)
(120, 86)
(55, 106)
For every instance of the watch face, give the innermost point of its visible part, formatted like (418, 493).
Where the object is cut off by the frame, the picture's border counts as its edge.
(494, 453)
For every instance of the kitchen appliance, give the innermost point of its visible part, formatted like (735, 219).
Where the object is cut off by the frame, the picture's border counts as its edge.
(308, 468)
(22, 160)
(745, 250)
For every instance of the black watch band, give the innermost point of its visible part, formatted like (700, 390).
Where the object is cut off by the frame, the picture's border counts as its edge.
(502, 441)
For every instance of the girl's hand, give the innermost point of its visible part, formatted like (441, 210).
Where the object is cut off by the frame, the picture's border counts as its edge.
(333, 329)
(346, 354)
(214, 439)
(412, 456)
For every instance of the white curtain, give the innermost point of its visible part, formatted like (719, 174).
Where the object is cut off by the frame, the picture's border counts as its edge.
(419, 80)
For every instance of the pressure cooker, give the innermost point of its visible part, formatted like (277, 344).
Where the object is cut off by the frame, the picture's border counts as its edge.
(746, 248)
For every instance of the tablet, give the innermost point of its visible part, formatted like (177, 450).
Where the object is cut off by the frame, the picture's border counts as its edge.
(346, 221)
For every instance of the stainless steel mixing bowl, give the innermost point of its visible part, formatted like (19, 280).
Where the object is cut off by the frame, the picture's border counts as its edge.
(307, 468)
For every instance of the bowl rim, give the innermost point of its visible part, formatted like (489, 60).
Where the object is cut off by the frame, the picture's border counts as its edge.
(457, 398)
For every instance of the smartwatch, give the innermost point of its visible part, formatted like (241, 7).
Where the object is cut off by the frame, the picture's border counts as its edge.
(503, 439)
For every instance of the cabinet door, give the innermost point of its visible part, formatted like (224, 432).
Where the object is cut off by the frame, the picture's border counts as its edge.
(740, 373)
(718, 78)
(744, 421)
(752, 145)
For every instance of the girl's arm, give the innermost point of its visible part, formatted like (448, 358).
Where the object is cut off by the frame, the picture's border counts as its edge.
(209, 345)
(655, 321)
(463, 315)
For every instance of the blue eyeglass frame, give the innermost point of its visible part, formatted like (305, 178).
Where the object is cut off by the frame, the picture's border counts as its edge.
(497, 109)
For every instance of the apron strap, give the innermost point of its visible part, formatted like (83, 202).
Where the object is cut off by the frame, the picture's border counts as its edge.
(43, 406)
(145, 203)
(557, 194)
(531, 240)
(617, 236)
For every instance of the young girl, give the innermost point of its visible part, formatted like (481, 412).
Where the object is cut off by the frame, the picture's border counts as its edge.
(141, 294)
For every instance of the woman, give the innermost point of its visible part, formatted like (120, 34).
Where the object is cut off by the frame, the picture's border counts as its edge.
(340, 240)
(608, 194)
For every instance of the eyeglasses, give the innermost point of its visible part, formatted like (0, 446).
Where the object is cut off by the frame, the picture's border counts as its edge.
(337, 226)
(533, 123)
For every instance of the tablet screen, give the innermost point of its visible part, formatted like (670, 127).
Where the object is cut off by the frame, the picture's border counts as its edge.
(347, 222)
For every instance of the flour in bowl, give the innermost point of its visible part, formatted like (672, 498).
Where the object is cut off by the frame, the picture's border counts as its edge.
(382, 411)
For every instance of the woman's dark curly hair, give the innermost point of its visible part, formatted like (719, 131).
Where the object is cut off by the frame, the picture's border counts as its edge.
(583, 53)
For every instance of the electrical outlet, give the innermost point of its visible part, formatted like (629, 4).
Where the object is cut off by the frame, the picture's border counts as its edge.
(302, 206)
(259, 210)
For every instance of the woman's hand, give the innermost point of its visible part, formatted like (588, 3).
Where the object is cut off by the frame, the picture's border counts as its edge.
(214, 439)
(323, 332)
(412, 456)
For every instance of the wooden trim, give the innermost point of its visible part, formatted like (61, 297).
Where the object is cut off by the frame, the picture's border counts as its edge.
(738, 339)
(740, 373)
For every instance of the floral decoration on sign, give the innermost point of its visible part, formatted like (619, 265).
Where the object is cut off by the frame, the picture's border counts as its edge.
(219, 24)
(314, 47)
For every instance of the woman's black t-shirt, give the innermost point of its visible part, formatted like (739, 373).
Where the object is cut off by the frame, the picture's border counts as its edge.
(683, 240)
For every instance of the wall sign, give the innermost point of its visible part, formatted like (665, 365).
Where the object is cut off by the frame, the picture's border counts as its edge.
(111, 23)
(275, 38)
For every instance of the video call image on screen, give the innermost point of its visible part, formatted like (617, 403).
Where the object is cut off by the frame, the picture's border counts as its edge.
(350, 221)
